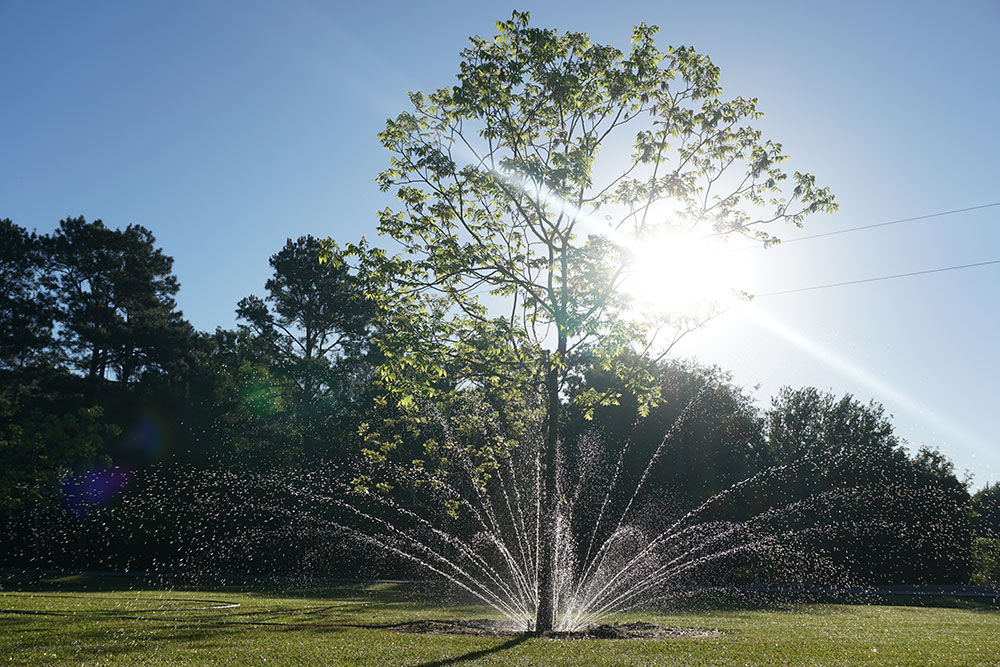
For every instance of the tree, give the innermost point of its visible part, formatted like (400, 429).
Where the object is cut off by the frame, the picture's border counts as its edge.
(248, 421)
(986, 511)
(314, 314)
(26, 307)
(311, 333)
(837, 431)
(503, 195)
(41, 442)
(46, 435)
(898, 518)
(115, 292)
(716, 442)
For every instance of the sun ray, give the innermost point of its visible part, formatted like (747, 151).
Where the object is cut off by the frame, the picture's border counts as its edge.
(882, 389)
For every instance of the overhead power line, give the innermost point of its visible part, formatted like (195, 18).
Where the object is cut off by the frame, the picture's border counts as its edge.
(872, 280)
(873, 226)
(891, 222)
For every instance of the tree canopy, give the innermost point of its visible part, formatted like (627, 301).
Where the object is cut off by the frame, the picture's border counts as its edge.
(118, 315)
(504, 192)
(27, 309)
(314, 314)
(986, 511)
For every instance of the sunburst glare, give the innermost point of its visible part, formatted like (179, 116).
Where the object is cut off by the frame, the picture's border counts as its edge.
(683, 272)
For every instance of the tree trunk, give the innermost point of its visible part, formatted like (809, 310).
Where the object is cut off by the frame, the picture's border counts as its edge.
(95, 374)
(548, 536)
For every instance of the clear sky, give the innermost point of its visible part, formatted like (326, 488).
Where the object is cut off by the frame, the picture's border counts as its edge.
(226, 127)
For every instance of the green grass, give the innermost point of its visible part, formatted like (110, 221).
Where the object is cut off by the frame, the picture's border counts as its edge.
(77, 620)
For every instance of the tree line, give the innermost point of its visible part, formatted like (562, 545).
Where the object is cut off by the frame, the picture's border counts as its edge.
(110, 400)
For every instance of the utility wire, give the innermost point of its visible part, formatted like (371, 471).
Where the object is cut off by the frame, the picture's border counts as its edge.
(872, 280)
(878, 224)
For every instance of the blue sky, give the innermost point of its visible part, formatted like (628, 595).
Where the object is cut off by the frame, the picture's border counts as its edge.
(226, 127)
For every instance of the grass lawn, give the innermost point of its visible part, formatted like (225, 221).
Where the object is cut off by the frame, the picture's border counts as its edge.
(80, 620)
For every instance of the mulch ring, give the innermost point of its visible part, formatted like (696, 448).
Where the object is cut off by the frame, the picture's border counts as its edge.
(483, 627)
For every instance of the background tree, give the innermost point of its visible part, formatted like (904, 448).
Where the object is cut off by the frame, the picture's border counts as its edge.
(312, 333)
(314, 315)
(715, 440)
(897, 518)
(251, 422)
(109, 294)
(502, 194)
(986, 535)
(40, 444)
(986, 561)
(26, 306)
(838, 431)
(986, 511)
(115, 291)
(47, 432)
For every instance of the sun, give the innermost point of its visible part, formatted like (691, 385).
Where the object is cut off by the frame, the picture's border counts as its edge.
(683, 273)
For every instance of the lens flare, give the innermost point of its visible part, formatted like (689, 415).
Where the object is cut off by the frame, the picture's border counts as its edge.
(92, 489)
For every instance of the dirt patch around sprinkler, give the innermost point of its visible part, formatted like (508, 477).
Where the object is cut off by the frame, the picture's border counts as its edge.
(490, 628)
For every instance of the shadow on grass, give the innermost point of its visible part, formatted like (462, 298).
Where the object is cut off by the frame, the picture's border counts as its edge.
(100, 635)
(481, 653)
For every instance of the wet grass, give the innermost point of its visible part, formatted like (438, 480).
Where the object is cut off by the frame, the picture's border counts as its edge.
(119, 621)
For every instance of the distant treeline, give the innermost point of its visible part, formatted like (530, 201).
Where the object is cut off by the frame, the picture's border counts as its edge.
(130, 440)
